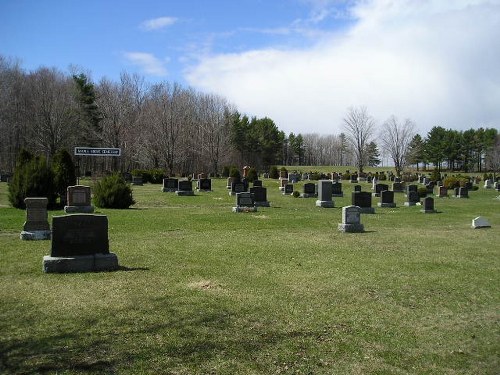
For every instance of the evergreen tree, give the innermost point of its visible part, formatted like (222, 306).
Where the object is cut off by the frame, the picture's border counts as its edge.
(372, 154)
(64, 173)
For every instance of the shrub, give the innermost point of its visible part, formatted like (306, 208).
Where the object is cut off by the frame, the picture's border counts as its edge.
(113, 192)
(435, 175)
(64, 173)
(252, 175)
(422, 192)
(156, 176)
(296, 194)
(346, 176)
(382, 176)
(32, 178)
(235, 173)
(454, 182)
(273, 172)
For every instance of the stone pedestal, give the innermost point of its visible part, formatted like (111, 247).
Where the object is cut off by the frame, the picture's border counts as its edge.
(82, 263)
(36, 226)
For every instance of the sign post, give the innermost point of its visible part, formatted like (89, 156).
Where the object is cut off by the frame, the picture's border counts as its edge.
(95, 151)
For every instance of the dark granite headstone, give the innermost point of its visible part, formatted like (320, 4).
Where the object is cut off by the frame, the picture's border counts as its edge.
(288, 189)
(79, 234)
(205, 184)
(325, 194)
(463, 192)
(309, 190)
(170, 185)
(357, 188)
(257, 183)
(185, 188)
(337, 189)
(428, 205)
(137, 180)
(386, 199)
(379, 188)
(412, 198)
(363, 200)
(260, 196)
(245, 202)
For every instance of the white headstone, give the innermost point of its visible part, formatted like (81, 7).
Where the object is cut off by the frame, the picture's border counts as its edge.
(480, 222)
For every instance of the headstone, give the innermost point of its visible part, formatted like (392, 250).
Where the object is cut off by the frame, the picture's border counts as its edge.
(354, 179)
(204, 184)
(127, 176)
(337, 189)
(283, 174)
(363, 200)
(230, 181)
(36, 226)
(137, 180)
(170, 185)
(78, 199)
(379, 188)
(374, 183)
(80, 244)
(441, 191)
(351, 220)
(245, 202)
(412, 198)
(260, 196)
(283, 182)
(480, 222)
(288, 189)
(428, 205)
(257, 183)
(357, 188)
(293, 178)
(463, 192)
(398, 187)
(430, 187)
(309, 190)
(413, 188)
(488, 184)
(386, 199)
(324, 194)
(237, 187)
(185, 188)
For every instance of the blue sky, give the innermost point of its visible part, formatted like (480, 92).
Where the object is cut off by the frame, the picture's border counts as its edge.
(302, 63)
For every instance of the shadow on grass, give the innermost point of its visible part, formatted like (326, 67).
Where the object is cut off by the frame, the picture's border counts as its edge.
(128, 269)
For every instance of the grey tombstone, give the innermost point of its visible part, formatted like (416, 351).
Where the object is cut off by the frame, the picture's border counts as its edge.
(309, 190)
(257, 183)
(325, 194)
(185, 188)
(78, 200)
(170, 185)
(351, 220)
(428, 205)
(288, 189)
(204, 184)
(80, 244)
(137, 180)
(480, 222)
(36, 226)
(293, 178)
(245, 202)
(386, 199)
(337, 189)
(412, 198)
(363, 200)
(488, 184)
(260, 196)
(379, 188)
(441, 192)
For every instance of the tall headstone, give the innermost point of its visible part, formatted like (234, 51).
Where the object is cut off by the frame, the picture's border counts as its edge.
(309, 190)
(428, 205)
(170, 185)
(36, 226)
(260, 196)
(324, 194)
(185, 188)
(363, 200)
(386, 199)
(78, 199)
(351, 220)
(80, 244)
(283, 183)
(413, 188)
(441, 192)
(245, 202)
(398, 187)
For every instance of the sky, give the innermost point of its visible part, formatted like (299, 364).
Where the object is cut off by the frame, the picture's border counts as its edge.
(302, 63)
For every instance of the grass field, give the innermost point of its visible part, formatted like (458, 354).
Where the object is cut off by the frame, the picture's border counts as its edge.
(203, 290)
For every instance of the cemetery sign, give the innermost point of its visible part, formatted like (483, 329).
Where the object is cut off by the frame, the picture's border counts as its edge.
(97, 151)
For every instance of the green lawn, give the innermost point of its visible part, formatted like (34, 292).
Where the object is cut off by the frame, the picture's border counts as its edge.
(203, 290)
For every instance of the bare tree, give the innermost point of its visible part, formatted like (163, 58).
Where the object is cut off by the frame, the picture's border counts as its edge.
(395, 139)
(359, 127)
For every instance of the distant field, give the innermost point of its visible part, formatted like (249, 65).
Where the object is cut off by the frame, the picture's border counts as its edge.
(203, 290)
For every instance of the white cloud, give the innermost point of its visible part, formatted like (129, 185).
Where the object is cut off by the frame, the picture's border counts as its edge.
(433, 61)
(158, 23)
(148, 63)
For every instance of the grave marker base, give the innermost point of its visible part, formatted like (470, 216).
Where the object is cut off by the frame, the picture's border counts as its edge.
(351, 228)
(81, 263)
(304, 195)
(35, 235)
(182, 193)
(367, 210)
(79, 209)
(244, 209)
(386, 204)
(262, 204)
(325, 204)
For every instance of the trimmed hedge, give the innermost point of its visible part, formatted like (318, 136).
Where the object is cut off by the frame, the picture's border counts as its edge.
(113, 192)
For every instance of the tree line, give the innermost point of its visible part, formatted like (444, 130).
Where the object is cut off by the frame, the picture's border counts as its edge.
(167, 126)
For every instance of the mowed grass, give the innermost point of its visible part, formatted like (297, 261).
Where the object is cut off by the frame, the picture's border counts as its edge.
(203, 290)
